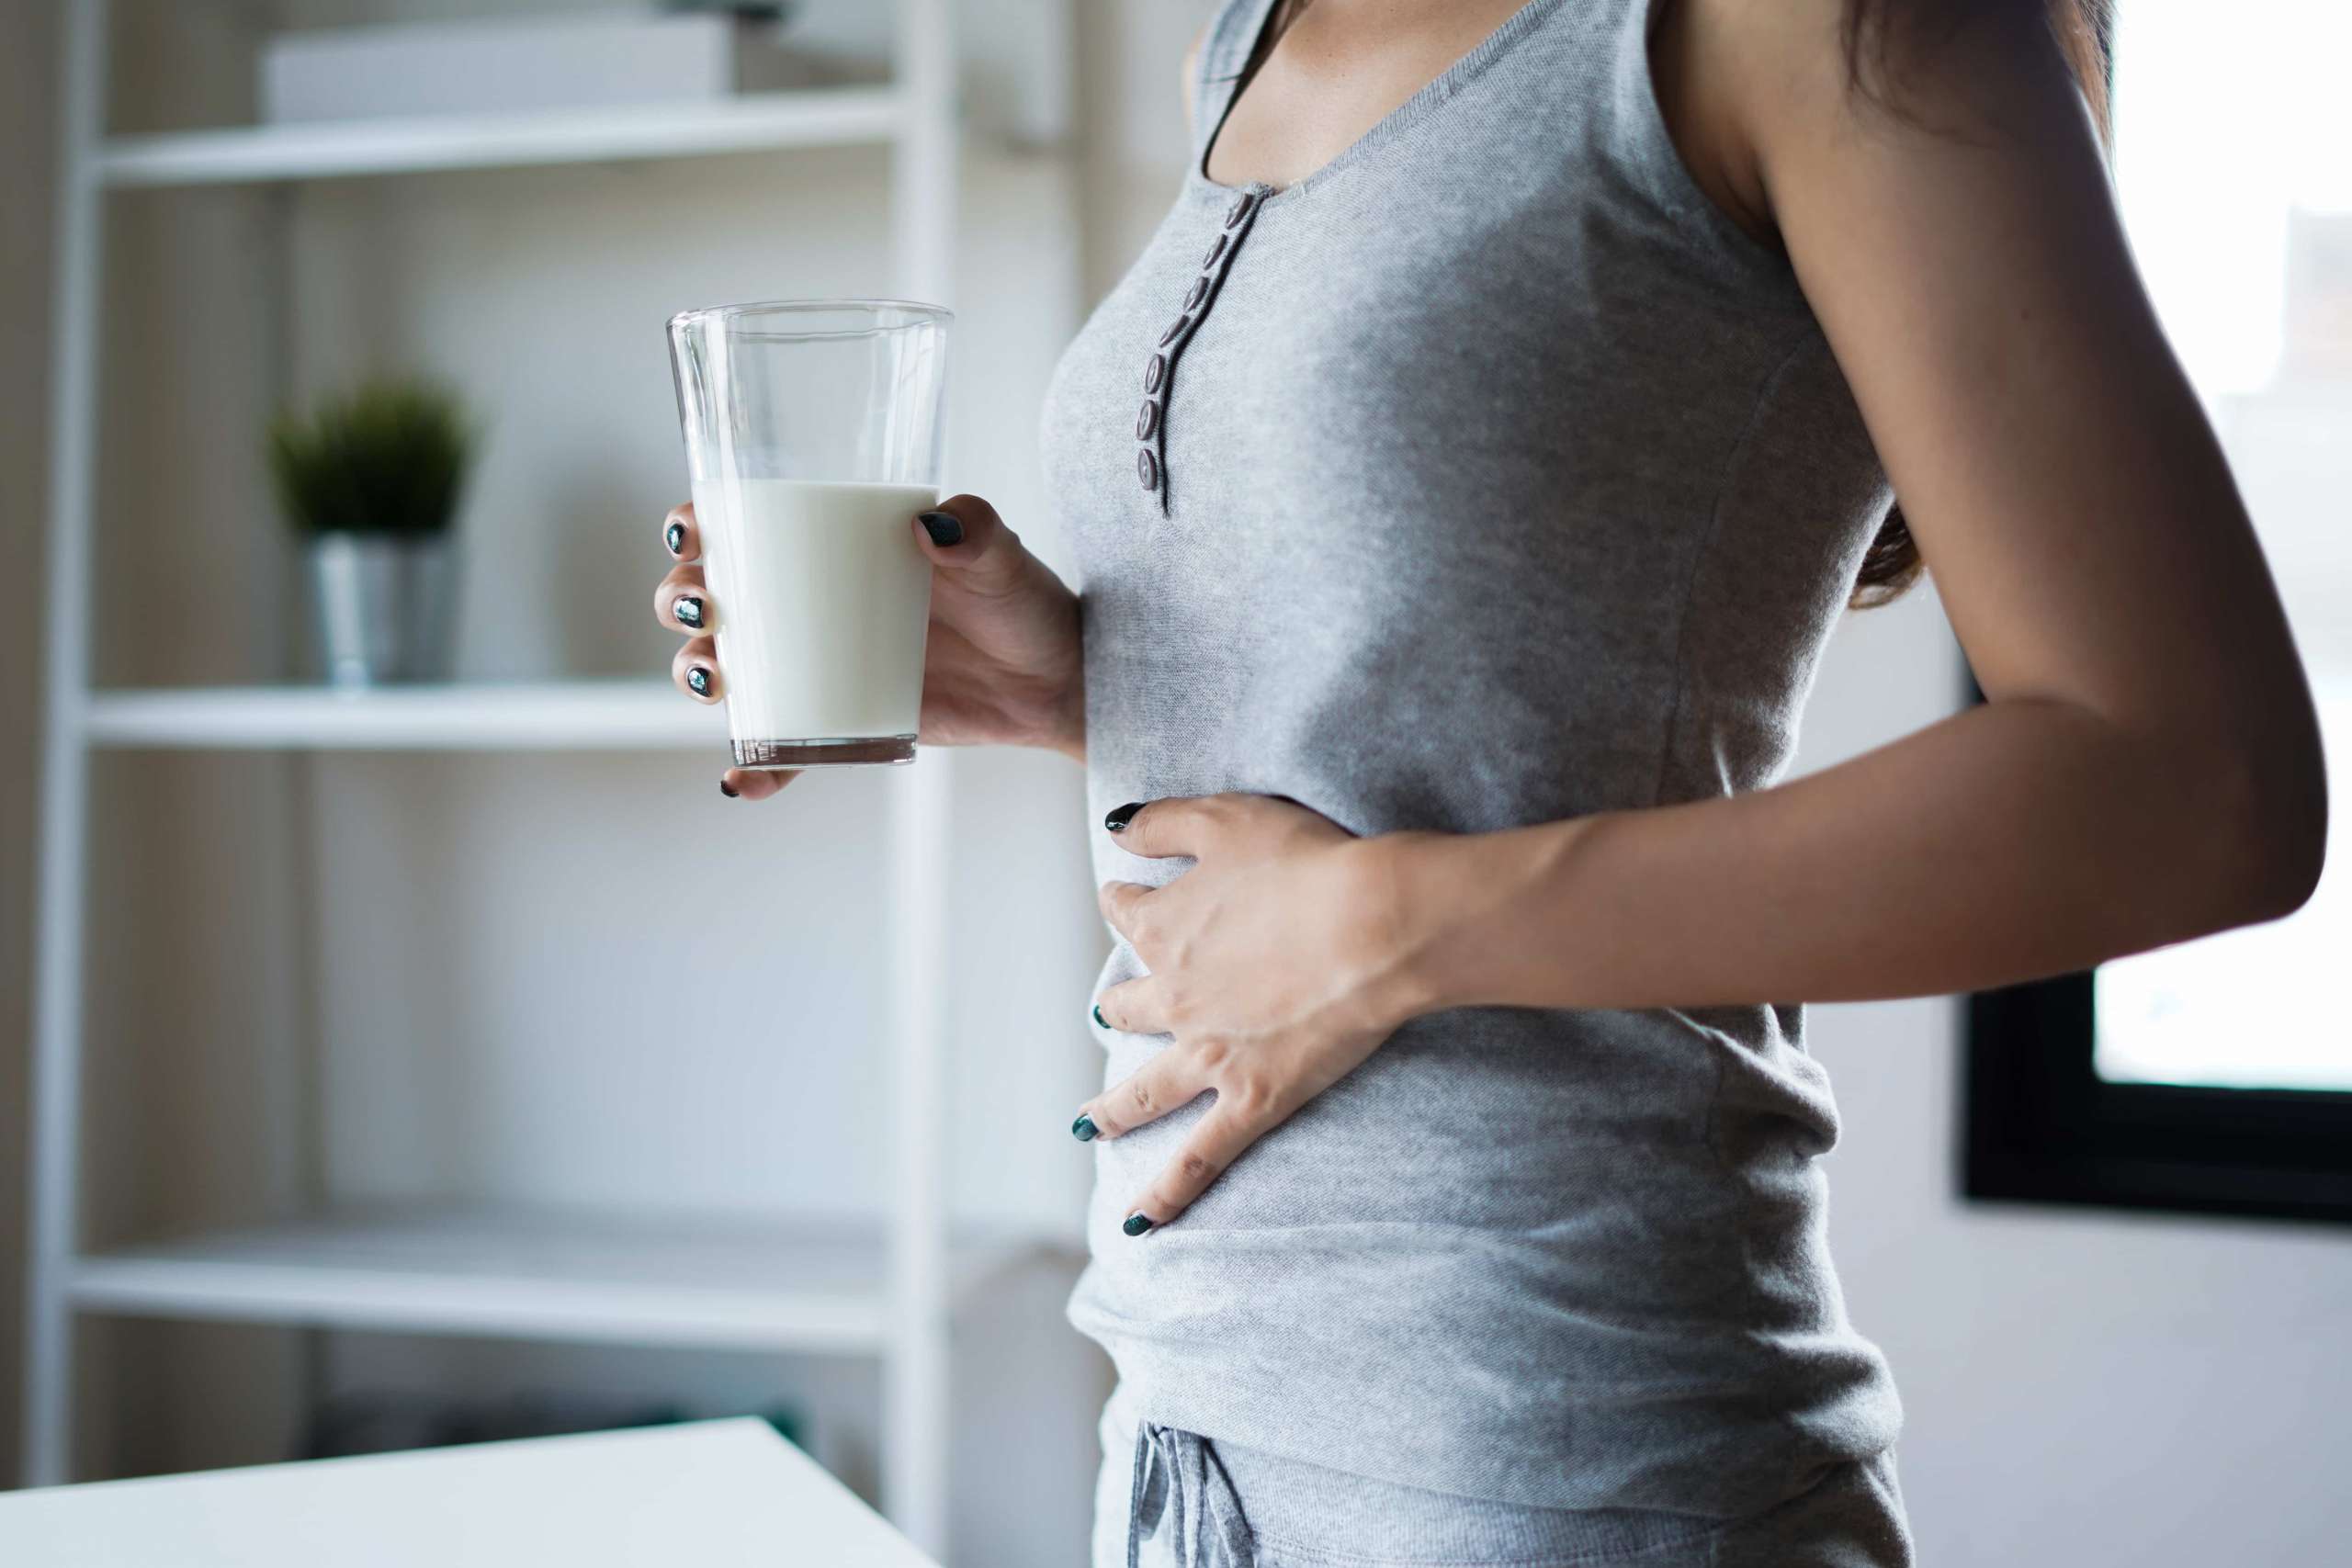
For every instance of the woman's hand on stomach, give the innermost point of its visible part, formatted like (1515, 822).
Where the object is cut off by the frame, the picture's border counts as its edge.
(1000, 666)
(1277, 963)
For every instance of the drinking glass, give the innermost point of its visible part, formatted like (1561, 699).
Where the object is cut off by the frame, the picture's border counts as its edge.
(812, 431)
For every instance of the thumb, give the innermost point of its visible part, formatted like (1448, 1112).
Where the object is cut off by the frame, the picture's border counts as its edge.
(964, 538)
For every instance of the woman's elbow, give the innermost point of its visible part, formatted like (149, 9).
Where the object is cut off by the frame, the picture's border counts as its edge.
(2277, 841)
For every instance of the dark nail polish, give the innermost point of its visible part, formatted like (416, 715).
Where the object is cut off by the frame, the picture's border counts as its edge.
(1137, 1224)
(728, 790)
(688, 611)
(674, 536)
(1117, 820)
(1100, 1019)
(698, 681)
(1084, 1130)
(945, 527)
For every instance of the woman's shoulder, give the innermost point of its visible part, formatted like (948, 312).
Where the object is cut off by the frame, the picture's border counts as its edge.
(1705, 58)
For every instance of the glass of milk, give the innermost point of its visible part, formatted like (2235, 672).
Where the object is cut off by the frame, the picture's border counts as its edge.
(812, 435)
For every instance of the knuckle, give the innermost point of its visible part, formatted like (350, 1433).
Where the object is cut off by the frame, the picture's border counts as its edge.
(1196, 1169)
(1212, 1055)
(1250, 1095)
(1139, 1098)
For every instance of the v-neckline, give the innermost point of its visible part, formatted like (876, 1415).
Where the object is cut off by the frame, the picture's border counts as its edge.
(1431, 94)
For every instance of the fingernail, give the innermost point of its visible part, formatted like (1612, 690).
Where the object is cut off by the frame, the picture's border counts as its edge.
(730, 791)
(1100, 1019)
(674, 536)
(688, 611)
(698, 681)
(1117, 820)
(1137, 1224)
(1084, 1130)
(945, 527)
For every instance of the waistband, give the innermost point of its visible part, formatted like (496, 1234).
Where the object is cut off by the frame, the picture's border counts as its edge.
(1203, 1503)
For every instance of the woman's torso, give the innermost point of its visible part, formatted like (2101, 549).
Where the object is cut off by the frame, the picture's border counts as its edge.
(1494, 477)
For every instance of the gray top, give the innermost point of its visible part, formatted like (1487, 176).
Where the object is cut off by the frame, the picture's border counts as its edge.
(1492, 477)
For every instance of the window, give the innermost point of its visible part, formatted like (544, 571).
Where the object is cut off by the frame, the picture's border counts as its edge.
(2218, 1075)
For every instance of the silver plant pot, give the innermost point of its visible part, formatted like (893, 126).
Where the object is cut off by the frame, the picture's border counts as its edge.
(379, 607)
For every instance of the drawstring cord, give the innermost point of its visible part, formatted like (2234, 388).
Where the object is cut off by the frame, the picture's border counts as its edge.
(1181, 1484)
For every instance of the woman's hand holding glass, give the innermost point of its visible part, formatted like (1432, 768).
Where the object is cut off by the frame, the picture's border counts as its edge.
(1000, 664)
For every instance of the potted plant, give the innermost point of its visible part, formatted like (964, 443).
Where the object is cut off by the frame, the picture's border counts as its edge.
(371, 479)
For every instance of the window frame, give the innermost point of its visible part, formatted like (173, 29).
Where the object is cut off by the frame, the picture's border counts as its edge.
(2040, 1125)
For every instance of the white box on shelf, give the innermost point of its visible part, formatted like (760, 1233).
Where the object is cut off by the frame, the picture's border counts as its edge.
(515, 65)
(1018, 61)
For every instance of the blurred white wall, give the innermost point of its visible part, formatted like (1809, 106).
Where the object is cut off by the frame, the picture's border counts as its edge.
(1131, 102)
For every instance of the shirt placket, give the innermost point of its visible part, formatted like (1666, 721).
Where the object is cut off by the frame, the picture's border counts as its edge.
(1159, 371)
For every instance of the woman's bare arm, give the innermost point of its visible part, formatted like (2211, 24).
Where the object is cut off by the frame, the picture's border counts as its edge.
(2147, 767)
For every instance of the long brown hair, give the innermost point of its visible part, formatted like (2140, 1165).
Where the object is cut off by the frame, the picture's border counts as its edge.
(1886, 39)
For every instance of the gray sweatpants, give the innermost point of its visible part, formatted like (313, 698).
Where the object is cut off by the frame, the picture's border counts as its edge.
(1173, 1499)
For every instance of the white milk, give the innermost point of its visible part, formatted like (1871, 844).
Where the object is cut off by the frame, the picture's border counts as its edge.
(821, 600)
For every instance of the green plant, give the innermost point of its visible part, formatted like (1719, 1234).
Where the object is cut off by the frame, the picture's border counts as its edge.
(389, 457)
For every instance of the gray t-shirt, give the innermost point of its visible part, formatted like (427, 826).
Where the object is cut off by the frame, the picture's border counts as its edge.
(1489, 476)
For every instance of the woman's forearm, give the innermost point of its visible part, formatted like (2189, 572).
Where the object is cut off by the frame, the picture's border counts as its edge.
(2019, 839)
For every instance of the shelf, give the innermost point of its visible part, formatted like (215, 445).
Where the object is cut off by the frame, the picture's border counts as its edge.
(570, 716)
(523, 1274)
(823, 117)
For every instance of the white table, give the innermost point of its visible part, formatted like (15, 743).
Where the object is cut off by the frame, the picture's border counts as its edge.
(715, 1493)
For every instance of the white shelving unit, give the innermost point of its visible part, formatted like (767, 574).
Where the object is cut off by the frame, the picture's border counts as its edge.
(685, 1283)
(817, 118)
(886, 1291)
(575, 716)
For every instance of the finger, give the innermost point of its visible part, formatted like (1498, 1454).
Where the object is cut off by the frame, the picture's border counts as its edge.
(682, 602)
(1177, 825)
(1223, 1135)
(694, 669)
(1173, 1077)
(967, 541)
(1133, 1007)
(679, 535)
(754, 784)
(1122, 904)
